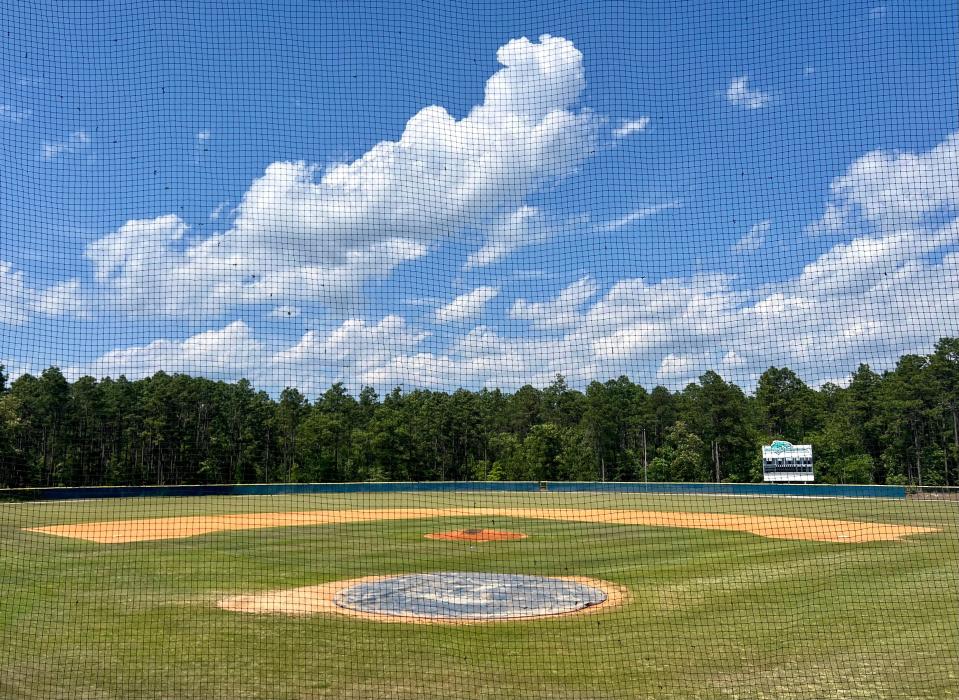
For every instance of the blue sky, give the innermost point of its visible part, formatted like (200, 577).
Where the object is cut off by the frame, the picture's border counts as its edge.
(482, 194)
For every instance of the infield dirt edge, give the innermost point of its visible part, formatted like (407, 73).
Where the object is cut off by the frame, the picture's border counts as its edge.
(775, 527)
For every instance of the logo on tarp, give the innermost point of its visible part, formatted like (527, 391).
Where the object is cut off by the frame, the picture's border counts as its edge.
(451, 595)
(780, 446)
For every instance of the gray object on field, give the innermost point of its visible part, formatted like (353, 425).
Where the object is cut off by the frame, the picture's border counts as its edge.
(469, 596)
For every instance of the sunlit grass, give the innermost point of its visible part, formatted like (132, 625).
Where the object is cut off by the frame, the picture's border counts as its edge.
(712, 614)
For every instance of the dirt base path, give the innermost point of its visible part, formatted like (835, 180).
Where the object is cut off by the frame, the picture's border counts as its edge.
(781, 528)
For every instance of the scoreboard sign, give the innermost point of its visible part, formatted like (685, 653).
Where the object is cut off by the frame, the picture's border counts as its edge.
(785, 462)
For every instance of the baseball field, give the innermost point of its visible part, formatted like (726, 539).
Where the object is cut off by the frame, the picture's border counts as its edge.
(703, 597)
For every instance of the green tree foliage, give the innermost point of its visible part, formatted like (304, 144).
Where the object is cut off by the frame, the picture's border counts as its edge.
(288, 418)
(613, 419)
(788, 408)
(681, 457)
(8, 466)
(907, 400)
(944, 368)
(718, 413)
(901, 426)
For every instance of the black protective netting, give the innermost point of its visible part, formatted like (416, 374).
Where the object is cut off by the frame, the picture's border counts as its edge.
(527, 321)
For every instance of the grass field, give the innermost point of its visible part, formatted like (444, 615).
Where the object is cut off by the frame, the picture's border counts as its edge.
(712, 614)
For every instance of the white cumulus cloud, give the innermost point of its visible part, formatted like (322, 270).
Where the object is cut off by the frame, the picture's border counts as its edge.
(890, 190)
(467, 307)
(563, 311)
(518, 229)
(754, 238)
(20, 301)
(304, 232)
(350, 353)
(143, 269)
(739, 93)
(229, 353)
(628, 127)
(77, 141)
(16, 298)
(63, 299)
(855, 303)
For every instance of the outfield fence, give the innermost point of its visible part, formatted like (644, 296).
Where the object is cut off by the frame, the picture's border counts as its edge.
(797, 490)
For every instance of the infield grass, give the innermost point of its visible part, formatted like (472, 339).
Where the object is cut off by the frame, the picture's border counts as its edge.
(712, 614)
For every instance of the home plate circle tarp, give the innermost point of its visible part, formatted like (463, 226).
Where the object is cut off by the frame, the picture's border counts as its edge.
(469, 596)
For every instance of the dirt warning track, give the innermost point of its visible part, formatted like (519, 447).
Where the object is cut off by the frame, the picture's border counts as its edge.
(775, 527)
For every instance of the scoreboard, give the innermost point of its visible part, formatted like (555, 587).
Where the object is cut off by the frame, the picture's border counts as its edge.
(785, 462)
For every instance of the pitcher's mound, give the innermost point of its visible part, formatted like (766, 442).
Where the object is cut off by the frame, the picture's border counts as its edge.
(477, 535)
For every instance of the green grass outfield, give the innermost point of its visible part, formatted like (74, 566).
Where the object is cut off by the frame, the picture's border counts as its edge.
(713, 614)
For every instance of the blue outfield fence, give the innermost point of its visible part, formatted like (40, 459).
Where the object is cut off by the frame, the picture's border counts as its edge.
(94, 492)
(705, 489)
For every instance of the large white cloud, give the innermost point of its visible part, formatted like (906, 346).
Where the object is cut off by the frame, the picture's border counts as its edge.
(144, 269)
(869, 300)
(230, 353)
(893, 190)
(306, 233)
(345, 353)
(563, 311)
(536, 79)
(466, 307)
(866, 301)
(889, 287)
(15, 296)
(512, 231)
(20, 301)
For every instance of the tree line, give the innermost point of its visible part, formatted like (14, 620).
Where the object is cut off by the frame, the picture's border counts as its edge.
(900, 426)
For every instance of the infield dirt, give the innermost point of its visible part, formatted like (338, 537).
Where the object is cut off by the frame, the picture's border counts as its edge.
(476, 535)
(775, 527)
